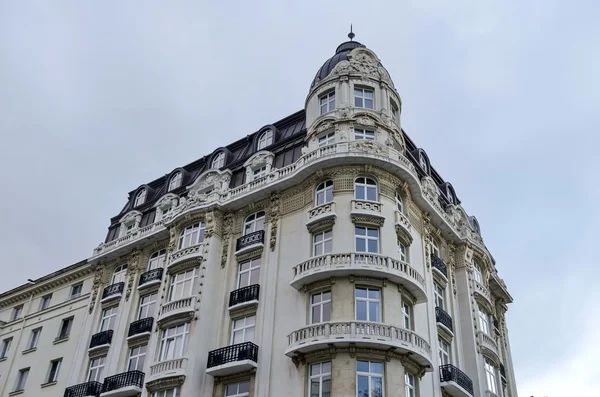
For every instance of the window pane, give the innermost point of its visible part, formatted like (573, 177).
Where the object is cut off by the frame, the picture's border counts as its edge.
(373, 311)
(363, 386)
(361, 292)
(374, 294)
(328, 246)
(244, 387)
(376, 387)
(361, 245)
(327, 311)
(373, 246)
(316, 314)
(361, 311)
(373, 232)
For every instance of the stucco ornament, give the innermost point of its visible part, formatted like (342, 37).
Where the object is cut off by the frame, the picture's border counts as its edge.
(258, 160)
(344, 110)
(365, 120)
(363, 61)
(323, 126)
(429, 188)
(369, 147)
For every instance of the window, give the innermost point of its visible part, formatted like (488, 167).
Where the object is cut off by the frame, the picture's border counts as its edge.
(423, 162)
(140, 198)
(368, 304)
(54, 370)
(96, 368)
(363, 98)
(327, 102)
(219, 160)
(34, 338)
(364, 135)
(173, 343)
(369, 379)
(433, 249)
(109, 316)
(76, 291)
(147, 306)
(409, 385)
(319, 382)
(324, 193)
(367, 239)
(484, 321)
(490, 375)
(399, 203)
(182, 284)
(395, 111)
(320, 307)
(254, 223)
(45, 303)
(157, 260)
(119, 274)
(322, 243)
(407, 315)
(192, 235)
(5, 347)
(17, 312)
(241, 389)
(137, 356)
(444, 352)
(365, 189)
(477, 275)
(259, 172)
(265, 140)
(175, 181)
(65, 328)
(242, 330)
(249, 273)
(167, 393)
(402, 251)
(327, 139)
(22, 379)
(439, 295)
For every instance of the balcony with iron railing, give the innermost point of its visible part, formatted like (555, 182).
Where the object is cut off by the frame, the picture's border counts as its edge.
(113, 291)
(101, 340)
(140, 328)
(244, 297)
(444, 319)
(232, 359)
(86, 389)
(455, 382)
(439, 265)
(150, 278)
(125, 384)
(250, 242)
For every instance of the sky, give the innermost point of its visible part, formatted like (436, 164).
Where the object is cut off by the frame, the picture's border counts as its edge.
(97, 98)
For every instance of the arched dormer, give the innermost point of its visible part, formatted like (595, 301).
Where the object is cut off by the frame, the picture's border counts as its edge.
(449, 193)
(177, 178)
(259, 165)
(265, 137)
(165, 204)
(141, 196)
(209, 181)
(474, 223)
(219, 158)
(421, 161)
(130, 223)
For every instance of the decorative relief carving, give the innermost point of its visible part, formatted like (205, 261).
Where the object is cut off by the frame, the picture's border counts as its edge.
(369, 147)
(98, 282)
(165, 383)
(365, 62)
(131, 273)
(323, 126)
(367, 219)
(430, 189)
(274, 218)
(227, 232)
(322, 224)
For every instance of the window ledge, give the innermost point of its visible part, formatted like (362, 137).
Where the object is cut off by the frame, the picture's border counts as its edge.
(56, 341)
(29, 350)
(47, 384)
(16, 392)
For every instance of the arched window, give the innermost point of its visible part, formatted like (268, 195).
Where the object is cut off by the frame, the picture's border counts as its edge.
(450, 197)
(365, 189)
(399, 203)
(175, 181)
(219, 160)
(140, 198)
(157, 260)
(477, 274)
(192, 235)
(119, 274)
(423, 162)
(254, 223)
(265, 139)
(324, 193)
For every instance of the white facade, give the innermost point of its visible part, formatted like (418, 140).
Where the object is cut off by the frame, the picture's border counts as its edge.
(341, 274)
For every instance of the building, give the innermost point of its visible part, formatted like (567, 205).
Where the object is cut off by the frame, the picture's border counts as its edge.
(320, 256)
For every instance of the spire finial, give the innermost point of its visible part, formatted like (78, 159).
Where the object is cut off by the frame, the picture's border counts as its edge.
(351, 35)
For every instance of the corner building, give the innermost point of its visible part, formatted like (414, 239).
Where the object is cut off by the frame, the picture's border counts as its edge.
(320, 256)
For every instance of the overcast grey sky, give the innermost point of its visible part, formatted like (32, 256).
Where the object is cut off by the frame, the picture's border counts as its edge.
(99, 97)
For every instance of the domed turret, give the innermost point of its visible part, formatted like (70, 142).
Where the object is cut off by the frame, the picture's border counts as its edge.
(341, 54)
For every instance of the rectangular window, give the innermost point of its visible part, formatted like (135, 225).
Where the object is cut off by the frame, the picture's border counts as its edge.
(96, 368)
(433, 249)
(322, 243)
(22, 379)
(174, 341)
(5, 347)
(363, 98)
(192, 235)
(182, 284)
(407, 315)
(241, 389)
(319, 382)
(477, 275)
(167, 393)
(45, 303)
(76, 291)
(368, 304)
(410, 389)
(367, 239)
(109, 316)
(484, 321)
(327, 102)
(402, 251)
(242, 330)
(259, 172)
(439, 294)
(364, 135)
(248, 273)
(395, 111)
(490, 375)
(147, 306)
(65, 328)
(320, 307)
(54, 370)
(137, 357)
(327, 139)
(444, 351)
(369, 379)
(17, 312)
(34, 338)
(158, 258)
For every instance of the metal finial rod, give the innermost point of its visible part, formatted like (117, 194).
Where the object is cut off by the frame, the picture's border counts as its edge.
(351, 35)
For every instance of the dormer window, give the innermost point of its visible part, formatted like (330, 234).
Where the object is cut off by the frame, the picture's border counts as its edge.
(327, 102)
(363, 98)
(423, 162)
(175, 181)
(218, 161)
(265, 139)
(260, 172)
(364, 135)
(140, 198)
(450, 197)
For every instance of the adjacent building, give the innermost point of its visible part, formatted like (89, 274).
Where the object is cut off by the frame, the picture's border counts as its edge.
(319, 256)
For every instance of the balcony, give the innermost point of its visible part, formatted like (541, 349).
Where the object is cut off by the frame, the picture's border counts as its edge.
(232, 359)
(151, 232)
(367, 212)
(359, 264)
(184, 256)
(498, 287)
(455, 382)
(84, 390)
(403, 227)
(151, 278)
(112, 292)
(250, 242)
(321, 216)
(123, 385)
(488, 345)
(444, 320)
(483, 292)
(101, 340)
(180, 310)
(438, 265)
(244, 297)
(169, 368)
(363, 334)
(140, 328)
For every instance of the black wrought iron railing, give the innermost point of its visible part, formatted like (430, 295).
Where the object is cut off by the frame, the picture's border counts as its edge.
(239, 352)
(439, 264)
(101, 338)
(113, 289)
(140, 326)
(244, 294)
(151, 275)
(126, 379)
(449, 373)
(84, 390)
(257, 237)
(444, 318)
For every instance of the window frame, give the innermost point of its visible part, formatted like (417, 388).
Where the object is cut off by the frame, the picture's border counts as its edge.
(477, 273)
(484, 320)
(22, 379)
(154, 262)
(325, 191)
(402, 251)
(176, 280)
(45, 302)
(324, 302)
(439, 294)
(237, 392)
(264, 140)
(399, 202)
(6, 344)
(252, 223)
(368, 301)
(359, 94)
(327, 102)
(363, 182)
(175, 181)
(423, 163)
(68, 323)
(137, 357)
(17, 312)
(366, 238)
(140, 198)
(364, 134)
(108, 317)
(97, 369)
(370, 375)
(326, 139)
(410, 385)
(166, 341)
(148, 307)
(163, 393)
(73, 294)
(321, 377)
(394, 110)
(34, 338)
(254, 267)
(119, 274)
(192, 235)
(243, 329)
(320, 247)
(444, 351)
(54, 372)
(218, 161)
(491, 376)
(407, 315)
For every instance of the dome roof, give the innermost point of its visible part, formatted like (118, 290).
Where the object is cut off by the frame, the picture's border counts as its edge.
(341, 54)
